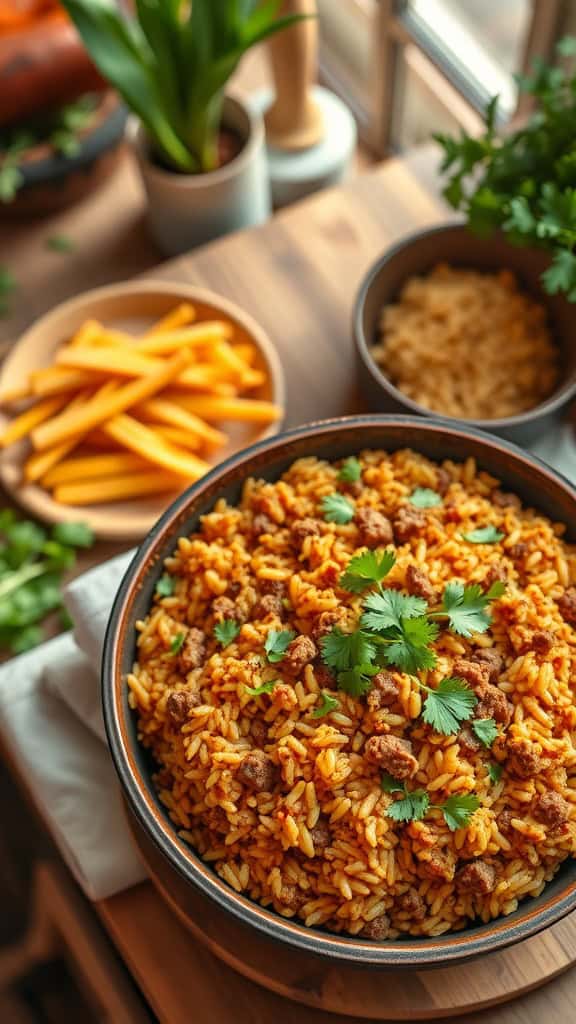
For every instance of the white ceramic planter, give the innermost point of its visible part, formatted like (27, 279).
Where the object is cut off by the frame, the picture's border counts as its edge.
(185, 210)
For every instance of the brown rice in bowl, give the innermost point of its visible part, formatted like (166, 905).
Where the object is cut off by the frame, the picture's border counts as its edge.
(289, 806)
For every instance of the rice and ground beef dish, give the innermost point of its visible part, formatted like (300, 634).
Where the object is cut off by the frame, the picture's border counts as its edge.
(356, 686)
(468, 344)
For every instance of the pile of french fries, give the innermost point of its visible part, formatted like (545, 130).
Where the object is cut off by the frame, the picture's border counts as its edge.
(117, 417)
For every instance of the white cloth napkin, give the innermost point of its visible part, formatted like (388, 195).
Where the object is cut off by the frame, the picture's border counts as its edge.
(51, 722)
(50, 718)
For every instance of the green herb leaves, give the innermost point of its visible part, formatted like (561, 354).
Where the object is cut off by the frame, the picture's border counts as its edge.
(523, 182)
(486, 730)
(357, 680)
(351, 471)
(483, 535)
(328, 704)
(451, 703)
(165, 586)
(424, 497)
(76, 535)
(226, 631)
(387, 610)
(7, 287)
(341, 651)
(414, 805)
(466, 607)
(276, 644)
(495, 772)
(59, 243)
(366, 569)
(257, 691)
(337, 509)
(409, 645)
(176, 643)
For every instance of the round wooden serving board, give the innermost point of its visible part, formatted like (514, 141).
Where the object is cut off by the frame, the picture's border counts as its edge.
(385, 995)
(132, 306)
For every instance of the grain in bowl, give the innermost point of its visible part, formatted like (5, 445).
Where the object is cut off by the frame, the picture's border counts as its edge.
(467, 344)
(356, 685)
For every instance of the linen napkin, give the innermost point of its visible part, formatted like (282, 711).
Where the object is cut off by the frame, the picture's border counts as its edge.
(51, 721)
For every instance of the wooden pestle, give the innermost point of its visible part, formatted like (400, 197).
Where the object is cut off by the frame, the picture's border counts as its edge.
(294, 120)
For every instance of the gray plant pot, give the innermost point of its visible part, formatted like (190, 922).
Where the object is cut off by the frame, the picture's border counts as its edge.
(185, 210)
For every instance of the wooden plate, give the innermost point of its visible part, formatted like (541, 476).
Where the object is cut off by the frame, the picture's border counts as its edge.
(131, 306)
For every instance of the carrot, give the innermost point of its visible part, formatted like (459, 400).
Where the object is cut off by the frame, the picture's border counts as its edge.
(145, 442)
(99, 409)
(117, 488)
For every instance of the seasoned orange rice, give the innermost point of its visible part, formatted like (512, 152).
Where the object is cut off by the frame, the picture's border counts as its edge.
(310, 837)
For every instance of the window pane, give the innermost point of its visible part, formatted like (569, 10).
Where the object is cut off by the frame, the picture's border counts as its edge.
(424, 103)
(477, 42)
(346, 54)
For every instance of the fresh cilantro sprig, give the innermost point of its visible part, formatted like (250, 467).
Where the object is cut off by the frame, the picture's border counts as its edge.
(389, 609)
(483, 535)
(357, 680)
(351, 471)
(495, 772)
(523, 182)
(366, 569)
(165, 586)
(451, 703)
(257, 691)
(415, 804)
(176, 643)
(337, 509)
(424, 497)
(486, 730)
(276, 644)
(466, 607)
(327, 705)
(226, 631)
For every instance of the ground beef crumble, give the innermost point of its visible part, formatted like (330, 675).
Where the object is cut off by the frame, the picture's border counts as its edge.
(567, 606)
(393, 754)
(376, 929)
(193, 651)
(418, 584)
(409, 522)
(384, 691)
(258, 771)
(374, 527)
(477, 877)
(551, 809)
(299, 653)
(180, 703)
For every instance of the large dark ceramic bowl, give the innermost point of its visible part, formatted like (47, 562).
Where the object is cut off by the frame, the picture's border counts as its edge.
(455, 245)
(312, 965)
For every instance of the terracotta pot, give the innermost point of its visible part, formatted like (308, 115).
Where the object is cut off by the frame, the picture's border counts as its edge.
(185, 210)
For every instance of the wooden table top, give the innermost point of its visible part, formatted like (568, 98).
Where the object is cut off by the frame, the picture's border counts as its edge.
(298, 276)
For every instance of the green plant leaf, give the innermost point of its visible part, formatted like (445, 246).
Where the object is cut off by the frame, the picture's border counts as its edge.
(76, 535)
(458, 810)
(410, 651)
(389, 609)
(60, 243)
(257, 691)
(412, 807)
(466, 607)
(356, 680)
(11, 180)
(486, 730)
(276, 643)
(342, 651)
(451, 703)
(388, 784)
(495, 772)
(366, 569)
(226, 631)
(165, 586)
(337, 509)
(176, 643)
(424, 497)
(327, 705)
(350, 471)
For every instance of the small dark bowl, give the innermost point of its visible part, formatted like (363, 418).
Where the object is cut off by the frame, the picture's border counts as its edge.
(342, 973)
(455, 245)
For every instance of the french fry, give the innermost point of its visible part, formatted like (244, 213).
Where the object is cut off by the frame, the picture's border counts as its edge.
(16, 394)
(116, 361)
(98, 409)
(175, 416)
(57, 380)
(40, 462)
(177, 436)
(178, 317)
(198, 335)
(86, 334)
(88, 467)
(117, 488)
(213, 409)
(246, 351)
(22, 425)
(145, 442)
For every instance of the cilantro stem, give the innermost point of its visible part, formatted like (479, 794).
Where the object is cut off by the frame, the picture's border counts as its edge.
(21, 576)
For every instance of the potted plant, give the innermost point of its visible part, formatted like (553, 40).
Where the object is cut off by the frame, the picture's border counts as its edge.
(524, 183)
(200, 151)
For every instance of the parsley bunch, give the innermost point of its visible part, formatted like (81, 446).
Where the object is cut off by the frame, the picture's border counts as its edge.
(525, 182)
(415, 804)
(32, 564)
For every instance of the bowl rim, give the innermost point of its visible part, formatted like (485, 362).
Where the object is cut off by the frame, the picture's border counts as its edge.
(407, 952)
(558, 398)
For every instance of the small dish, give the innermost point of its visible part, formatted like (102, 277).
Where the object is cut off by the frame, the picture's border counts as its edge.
(131, 306)
(455, 245)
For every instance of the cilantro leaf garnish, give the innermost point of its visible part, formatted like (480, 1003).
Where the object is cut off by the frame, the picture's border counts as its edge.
(165, 586)
(483, 535)
(465, 607)
(329, 703)
(59, 243)
(449, 704)
(337, 509)
(458, 810)
(412, 807)
(357, 680)
(226, 631)
(176, 643)
(276, 643)
(384, 610)
(351, 471)
(486, 730)
(424, 497)
(76, 535)
(341, 651)
(409, 649)
(495, 772)
(365, 569)
(388, 784)
(257, 691)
